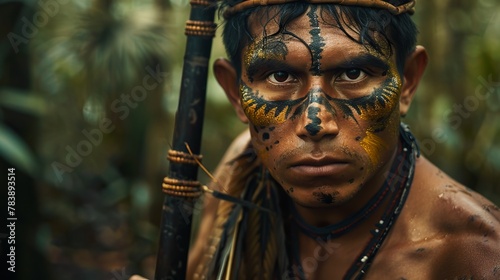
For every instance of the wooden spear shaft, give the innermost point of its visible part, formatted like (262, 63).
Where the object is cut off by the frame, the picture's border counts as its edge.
(175, 227)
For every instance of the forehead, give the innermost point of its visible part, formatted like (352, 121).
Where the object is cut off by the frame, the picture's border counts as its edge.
(268, 20)
(337, 31)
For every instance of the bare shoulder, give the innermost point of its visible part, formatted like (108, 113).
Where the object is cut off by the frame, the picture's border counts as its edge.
(452, 206)
(461, 225)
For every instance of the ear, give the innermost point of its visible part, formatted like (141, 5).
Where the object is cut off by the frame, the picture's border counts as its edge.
(228, 79)
(413, 71)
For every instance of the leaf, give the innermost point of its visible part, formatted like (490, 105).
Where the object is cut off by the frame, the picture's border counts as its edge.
(22, 101)
(14, 150)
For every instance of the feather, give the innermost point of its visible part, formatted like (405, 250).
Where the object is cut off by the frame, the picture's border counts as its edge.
(235, 200)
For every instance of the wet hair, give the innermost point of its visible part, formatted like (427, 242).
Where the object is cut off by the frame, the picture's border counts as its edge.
(399, 31)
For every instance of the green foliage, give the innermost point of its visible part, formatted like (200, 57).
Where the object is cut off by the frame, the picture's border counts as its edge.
(14, 150)
(12, 147)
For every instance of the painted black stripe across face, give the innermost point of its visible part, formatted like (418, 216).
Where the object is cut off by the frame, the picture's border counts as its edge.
(379, 97)
(265, 112)
(314, 99)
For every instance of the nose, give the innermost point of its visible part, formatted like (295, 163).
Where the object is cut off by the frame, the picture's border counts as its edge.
(317, 118)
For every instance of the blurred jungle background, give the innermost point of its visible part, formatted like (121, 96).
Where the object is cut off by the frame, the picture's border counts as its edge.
(88, 93)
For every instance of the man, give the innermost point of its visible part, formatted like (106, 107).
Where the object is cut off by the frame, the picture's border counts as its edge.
(338, 186)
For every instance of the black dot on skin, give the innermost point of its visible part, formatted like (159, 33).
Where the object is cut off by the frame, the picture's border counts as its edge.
(277, 142)
(358, 138)
(361, 169)
(325, 198)
(265, 136)
(351, 180)
(290, 189)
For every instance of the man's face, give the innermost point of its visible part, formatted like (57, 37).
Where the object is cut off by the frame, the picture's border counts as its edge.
(323, 109)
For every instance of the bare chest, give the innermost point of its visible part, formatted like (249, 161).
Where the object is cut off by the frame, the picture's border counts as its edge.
(334, 260)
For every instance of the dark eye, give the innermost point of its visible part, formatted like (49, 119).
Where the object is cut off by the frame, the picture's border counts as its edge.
(353, 75)
(280, 77)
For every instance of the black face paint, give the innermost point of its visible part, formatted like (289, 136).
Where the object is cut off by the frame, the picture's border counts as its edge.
(312, 111)
(378, 101)
(265, 136)
(261, 51)
(263, 112)
(326, 198)
(314, 127)
(317, 43)
(313, 99)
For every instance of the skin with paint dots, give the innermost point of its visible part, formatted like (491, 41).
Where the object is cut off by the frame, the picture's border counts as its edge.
(323, 114)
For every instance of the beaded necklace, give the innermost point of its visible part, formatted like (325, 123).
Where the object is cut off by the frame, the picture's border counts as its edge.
(398, 181)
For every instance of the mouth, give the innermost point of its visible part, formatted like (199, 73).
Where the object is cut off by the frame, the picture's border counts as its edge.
(319, 167)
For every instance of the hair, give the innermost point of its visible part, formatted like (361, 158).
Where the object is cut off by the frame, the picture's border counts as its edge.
(397, 30)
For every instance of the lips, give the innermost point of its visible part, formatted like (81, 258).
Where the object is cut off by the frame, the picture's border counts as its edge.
(318, 167)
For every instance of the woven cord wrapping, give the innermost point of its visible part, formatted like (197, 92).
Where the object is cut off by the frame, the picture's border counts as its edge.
(200, 28)
(197, 27)
(182, 188)
(381, 4)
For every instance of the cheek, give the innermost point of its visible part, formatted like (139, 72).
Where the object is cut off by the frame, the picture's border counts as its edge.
(381, 127)
(380, 138)
(375, 147)
(268, 145)
(261, 112)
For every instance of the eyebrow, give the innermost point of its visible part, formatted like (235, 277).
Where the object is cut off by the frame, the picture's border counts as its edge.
(362, 61)
(260, 64)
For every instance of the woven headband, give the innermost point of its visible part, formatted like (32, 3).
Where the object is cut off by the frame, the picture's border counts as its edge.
(381, 4)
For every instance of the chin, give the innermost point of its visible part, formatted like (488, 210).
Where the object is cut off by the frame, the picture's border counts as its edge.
(323, 197)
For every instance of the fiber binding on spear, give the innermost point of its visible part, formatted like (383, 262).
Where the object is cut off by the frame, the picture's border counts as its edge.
(181, 187)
